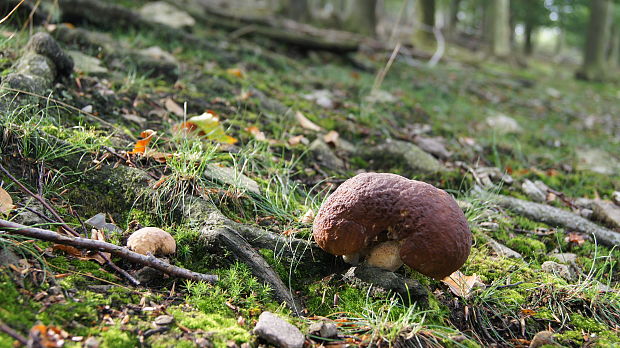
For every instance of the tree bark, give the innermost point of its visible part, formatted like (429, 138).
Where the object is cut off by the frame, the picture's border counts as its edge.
(528, 46)
(297, 10)
(427, 11)
(360, 16)
(498, 27)
(453, 17)
(614, 46)
(594, 56)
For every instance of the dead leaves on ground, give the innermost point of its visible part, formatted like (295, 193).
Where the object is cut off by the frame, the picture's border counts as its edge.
(462, 285)
(6, 202)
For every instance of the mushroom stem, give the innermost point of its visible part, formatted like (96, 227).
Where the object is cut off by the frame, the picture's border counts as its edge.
(385, 255)
(352, 259)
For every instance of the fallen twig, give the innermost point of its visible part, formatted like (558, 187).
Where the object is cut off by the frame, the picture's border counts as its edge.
(66, 227)
(9, 331)
(116, 250)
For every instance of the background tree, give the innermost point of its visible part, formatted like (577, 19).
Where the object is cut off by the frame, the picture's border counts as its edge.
(360, 16)
(295, 9)
(532, 14)
(595, 50)
(497, 27)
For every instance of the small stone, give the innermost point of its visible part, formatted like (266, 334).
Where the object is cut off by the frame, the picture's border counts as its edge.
(380, 96)
(607, 212)
(566, 258)
(557, 269)
(278, 332)
(598, 161)
(543, 338)
(402, 153)
(325, 155)
(164, 13)
(533, 191)
(615, 197)
(434, 146)
(87, 64)
(503, 124)
(502, 250)
(91, 342)
(322, 98)
(163, 320)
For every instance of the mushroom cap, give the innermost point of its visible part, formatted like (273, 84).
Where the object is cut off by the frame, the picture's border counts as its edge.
(373, 207)
(385, 255)
(151, 240)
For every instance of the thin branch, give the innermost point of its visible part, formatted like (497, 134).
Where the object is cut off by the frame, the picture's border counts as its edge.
(9, 331)
(116, 250)
(67, 228)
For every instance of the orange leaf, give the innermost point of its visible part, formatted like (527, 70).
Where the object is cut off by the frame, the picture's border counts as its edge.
(141, 144)
(258, 135)
(6, 202)
(236, 72)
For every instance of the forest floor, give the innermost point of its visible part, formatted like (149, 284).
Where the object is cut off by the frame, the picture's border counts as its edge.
(293, 124)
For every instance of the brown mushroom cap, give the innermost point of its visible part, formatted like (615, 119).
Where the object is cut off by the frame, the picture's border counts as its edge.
(151, 240)
(375, 207)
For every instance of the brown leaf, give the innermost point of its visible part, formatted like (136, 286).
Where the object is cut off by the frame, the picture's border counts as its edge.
(306, 123)
(258, 135)
(331, 138)
(297, 139)
(173, 107)
(6, 202)
(140, 146)
(462, 285)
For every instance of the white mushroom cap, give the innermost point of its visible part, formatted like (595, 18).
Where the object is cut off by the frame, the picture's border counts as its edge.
(385, 255)
(152, 240)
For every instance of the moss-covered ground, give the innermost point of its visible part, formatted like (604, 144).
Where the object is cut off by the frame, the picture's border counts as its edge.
(256, 86)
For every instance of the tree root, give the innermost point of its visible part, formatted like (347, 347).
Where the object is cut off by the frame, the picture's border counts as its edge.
(556, 217)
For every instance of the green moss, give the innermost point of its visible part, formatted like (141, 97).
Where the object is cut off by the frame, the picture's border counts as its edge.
(224, 328)
(527, 246)
(114, 337)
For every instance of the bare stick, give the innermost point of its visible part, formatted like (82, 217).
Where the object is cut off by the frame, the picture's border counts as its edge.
(67, 228)
(9, 331)
(116, 250)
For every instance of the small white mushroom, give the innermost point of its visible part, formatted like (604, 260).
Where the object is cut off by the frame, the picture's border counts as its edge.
(385, 255)
(152, 240)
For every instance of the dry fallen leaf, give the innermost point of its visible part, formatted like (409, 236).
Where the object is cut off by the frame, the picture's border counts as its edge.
(141, 144)
(308, 217)
(306, 123)
(6, 202)
(258, 135)
(462, 285)
(297, 140)
(331, 138)
(236, 72)
(173, 107)
(210, 125)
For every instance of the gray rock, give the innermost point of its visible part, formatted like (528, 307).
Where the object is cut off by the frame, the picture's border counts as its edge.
(8, 257)
(502, 250)
(586, 213)
(323, 98)
(87, 64)
(434, 146)
(98, 222)
(383, 281)
(324, 154)
(231, 177)
(91, 342)
(27, 217)
(503, 124)
(380, 96)
(583, 203)
(566, 258)
(597, 161)
(396, 152)
(37, 66)
(615, 197)
(278, 332)
(45, 45)
(491, 176)
(164, 13)
(607, 212)
(323, 329)
(163, 320)
(558, 269)
(157, 63)
(533, 191)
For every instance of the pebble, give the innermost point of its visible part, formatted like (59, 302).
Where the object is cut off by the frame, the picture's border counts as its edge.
(163, 320)
(558, 269)
(323, 329)
(278, 332)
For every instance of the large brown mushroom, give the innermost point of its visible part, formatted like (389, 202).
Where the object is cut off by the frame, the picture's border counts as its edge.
(419, 221)
(152, 240)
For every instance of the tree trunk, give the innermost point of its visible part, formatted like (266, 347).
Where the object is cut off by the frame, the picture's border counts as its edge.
(296, 9)
(594, 55)
(614, 46)
(453, 16)
(528, 46)
(360, 16)
(498, 27)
